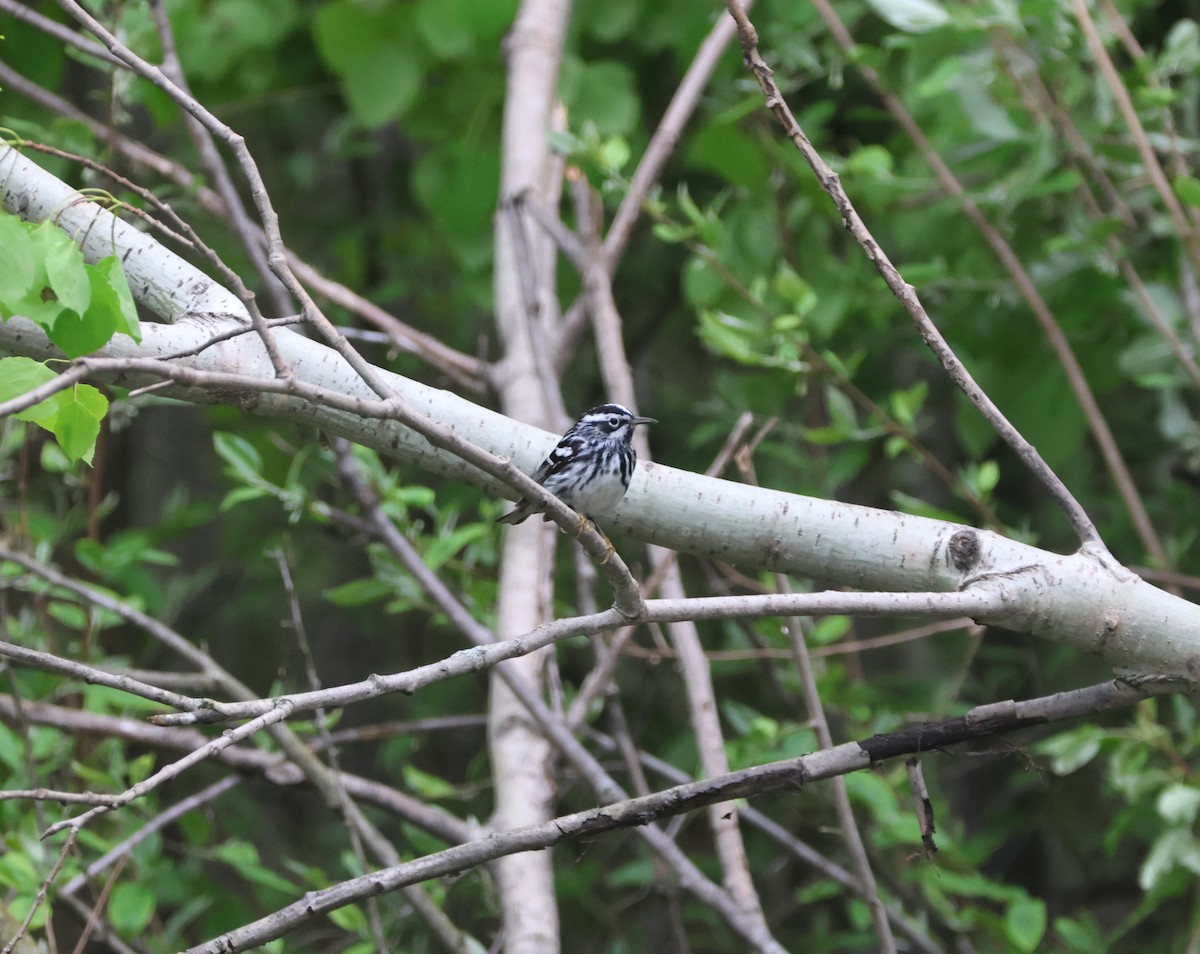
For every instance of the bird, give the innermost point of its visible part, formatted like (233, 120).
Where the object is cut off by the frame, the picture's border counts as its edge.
(590, 467)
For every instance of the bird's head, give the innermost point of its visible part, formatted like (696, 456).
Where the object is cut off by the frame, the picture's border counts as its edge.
(614, 421)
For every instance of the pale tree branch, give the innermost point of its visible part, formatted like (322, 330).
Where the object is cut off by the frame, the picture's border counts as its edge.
(1092, 603)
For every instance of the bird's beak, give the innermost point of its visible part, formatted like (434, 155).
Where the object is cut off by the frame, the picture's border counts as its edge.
(642, 420)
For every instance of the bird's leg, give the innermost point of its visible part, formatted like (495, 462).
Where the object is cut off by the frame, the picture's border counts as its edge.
(584, 521)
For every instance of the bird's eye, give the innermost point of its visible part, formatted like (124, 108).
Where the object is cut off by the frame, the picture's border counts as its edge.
(614, 422)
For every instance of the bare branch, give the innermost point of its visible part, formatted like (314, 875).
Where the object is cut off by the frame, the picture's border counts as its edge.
(272, 767)
(228, 738)
(40, 897)
(841, 797)
(983, 601)
(839, 760)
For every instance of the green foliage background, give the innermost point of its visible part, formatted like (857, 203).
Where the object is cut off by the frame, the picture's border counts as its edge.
(377, 127)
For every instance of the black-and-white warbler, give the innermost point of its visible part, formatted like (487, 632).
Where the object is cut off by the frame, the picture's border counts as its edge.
(590, 468)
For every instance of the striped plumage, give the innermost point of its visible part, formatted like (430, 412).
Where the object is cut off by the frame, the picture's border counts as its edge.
(590, 467)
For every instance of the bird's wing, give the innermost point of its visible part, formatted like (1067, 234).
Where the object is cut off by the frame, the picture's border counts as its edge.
(563, 453)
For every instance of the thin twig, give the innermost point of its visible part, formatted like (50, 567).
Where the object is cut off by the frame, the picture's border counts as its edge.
(334, 774)
(50, 795)
(40, 897)
(92, 921)
(160, 821)
(841, 797)
(93, 676)
(215, 169)
(176, 768)
(270, 766)
(1137, 132)
(981, 601)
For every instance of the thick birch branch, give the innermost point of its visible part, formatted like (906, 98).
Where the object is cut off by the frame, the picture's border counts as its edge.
(1084, 599)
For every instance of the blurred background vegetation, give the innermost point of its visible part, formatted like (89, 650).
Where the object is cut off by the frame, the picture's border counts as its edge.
(377, 128)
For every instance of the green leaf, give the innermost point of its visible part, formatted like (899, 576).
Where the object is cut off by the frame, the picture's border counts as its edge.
(604, 93)
(727, 335)
(1071, 751)
(1025, 923)
(243, 459)
(1164, 856)
(1188, 190)
(131, 906)
(610, 21)
(344, 29)
(10, 755)
(382, 83)
(72, 416)
(21, 375)
(613, 153)
(724, 148)
(17, 870)
(445, 546)
(374, 55)
(1181, 50)
(1080, 937)
(426, 785)
(911, 16)
(349, 918)
(66, 272)
(117, 286)
(71, 615)
(444, 28)
(20, 259)
(240, 495)
(841, 410)
(141, 767)
(359, 592)
(78, 423)
(78, 334)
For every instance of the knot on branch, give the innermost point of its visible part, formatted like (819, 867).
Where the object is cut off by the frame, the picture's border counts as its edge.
(963, 550)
